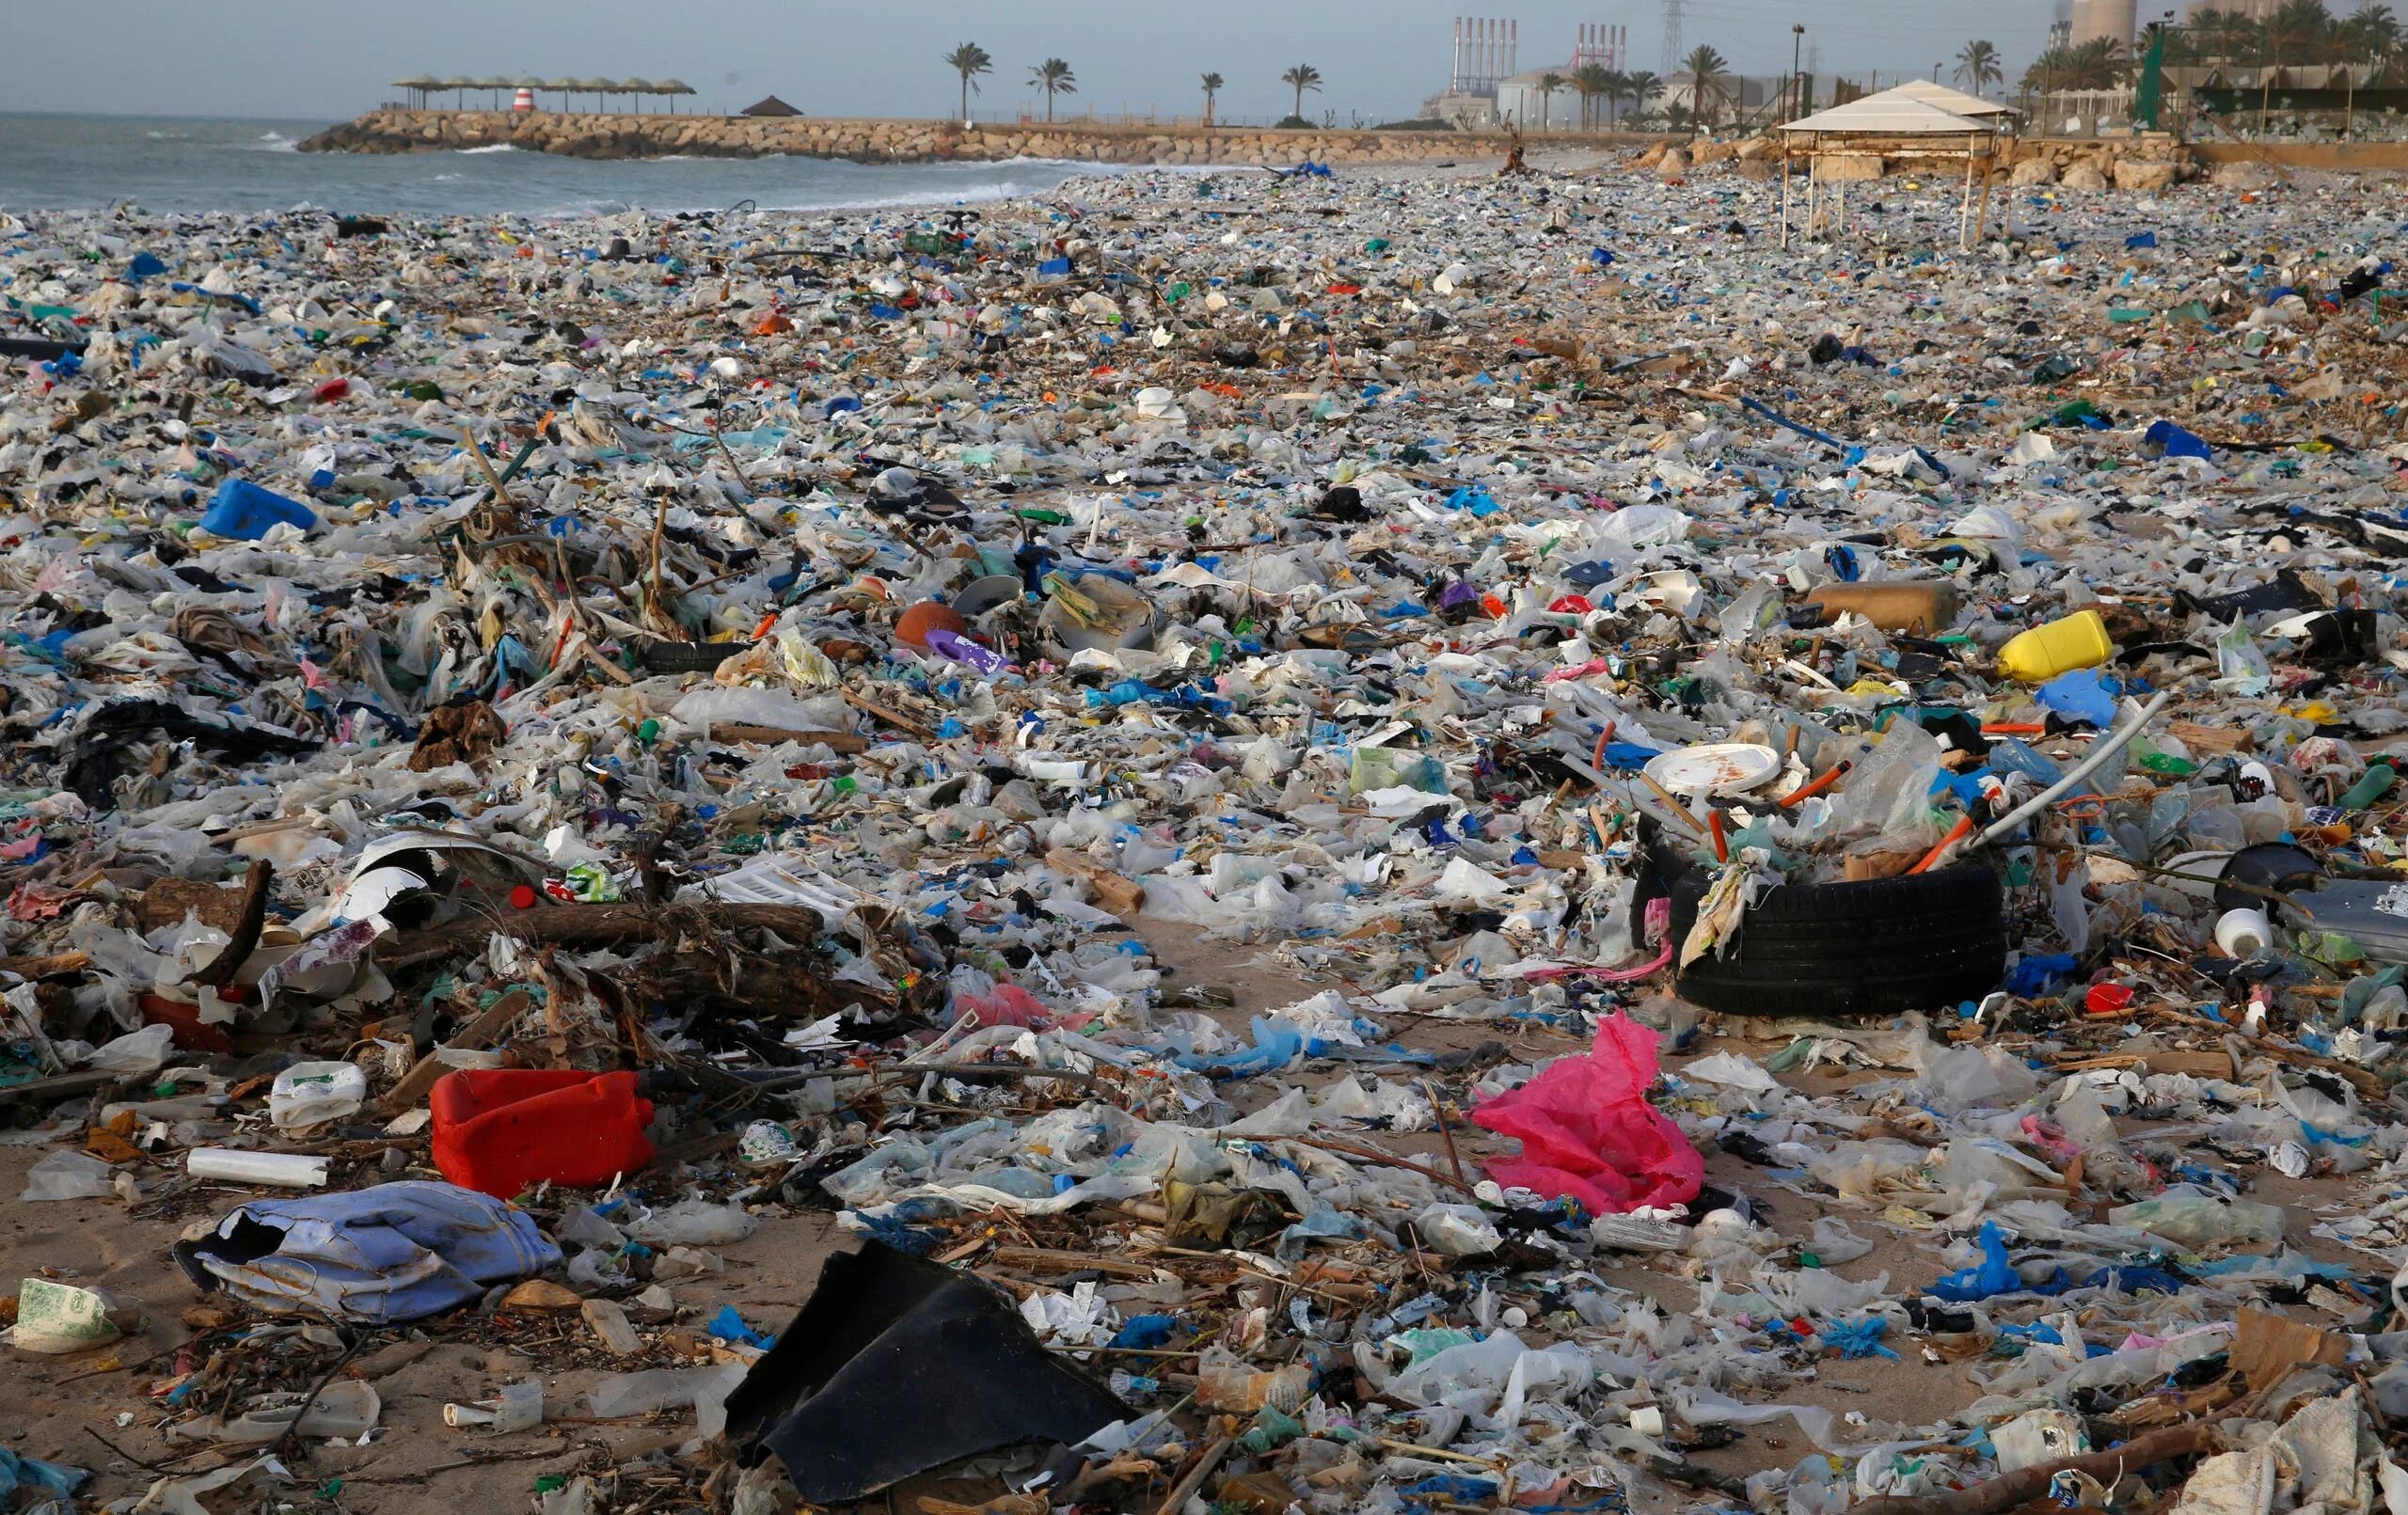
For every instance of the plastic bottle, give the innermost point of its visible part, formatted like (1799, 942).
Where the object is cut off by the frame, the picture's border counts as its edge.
(1928, 606)
(1223, 1382)
(2376, 783)
(339, 1410)
(2077, 642)
(496, 1131)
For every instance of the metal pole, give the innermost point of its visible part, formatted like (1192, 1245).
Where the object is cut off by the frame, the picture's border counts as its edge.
(1965, 206)
(1797, 40)
(2265, 74)
(1784, 192)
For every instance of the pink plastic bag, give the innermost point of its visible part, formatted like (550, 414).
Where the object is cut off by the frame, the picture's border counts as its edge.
(1008, 1006)
(1588, 1131)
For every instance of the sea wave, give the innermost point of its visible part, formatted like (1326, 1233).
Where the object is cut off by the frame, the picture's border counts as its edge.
(498, 147)
(271, 142)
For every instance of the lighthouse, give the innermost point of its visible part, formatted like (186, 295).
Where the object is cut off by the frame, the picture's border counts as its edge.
(525, 100)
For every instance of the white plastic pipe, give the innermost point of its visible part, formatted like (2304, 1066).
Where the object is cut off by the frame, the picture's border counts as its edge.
(282, 1170)
(2107, 748)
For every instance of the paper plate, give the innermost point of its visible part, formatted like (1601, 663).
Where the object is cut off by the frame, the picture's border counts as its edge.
(1715, 768)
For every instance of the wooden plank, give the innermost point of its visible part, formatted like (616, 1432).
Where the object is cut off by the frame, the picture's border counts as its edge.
(494, 1019)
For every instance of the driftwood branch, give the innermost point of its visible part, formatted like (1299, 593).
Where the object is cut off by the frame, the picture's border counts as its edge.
(2022, 1486)
(593, 926)
(244, 939)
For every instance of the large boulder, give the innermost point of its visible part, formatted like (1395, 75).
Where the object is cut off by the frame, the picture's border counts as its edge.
(2033, 171)
(2082, 176)
(2135, 174)
(1673, 163)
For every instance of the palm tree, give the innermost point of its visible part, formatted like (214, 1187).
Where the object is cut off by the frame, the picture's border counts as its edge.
(2100, 63)
(1055, 77)
(1212, 82)
(1705, 68)
(1548, 84)
(969, 60)
(1978, 65)
(1596, 82)
(2297, 32)
(1640, 87)
(1302, 77)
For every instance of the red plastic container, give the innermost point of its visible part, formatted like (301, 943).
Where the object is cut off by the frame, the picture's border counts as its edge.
(500, 1130)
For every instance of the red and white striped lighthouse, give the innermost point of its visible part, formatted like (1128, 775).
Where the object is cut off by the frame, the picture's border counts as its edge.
(526, 100)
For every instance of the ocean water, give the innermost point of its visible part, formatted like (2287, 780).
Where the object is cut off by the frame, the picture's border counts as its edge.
(192, 165)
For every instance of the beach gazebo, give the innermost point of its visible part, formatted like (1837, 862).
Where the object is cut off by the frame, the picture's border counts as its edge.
(563, 88)
(493, 86)
(596, 87)
(639, 88)
(770, 106)
(673, 88)
(1880, 122)
(1955, 101)
(416, 85)
(459, 85)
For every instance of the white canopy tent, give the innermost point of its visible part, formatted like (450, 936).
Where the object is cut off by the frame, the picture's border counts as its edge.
(1973, 107)
(1890, 114)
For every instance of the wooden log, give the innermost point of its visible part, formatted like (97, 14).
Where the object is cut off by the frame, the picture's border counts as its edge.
(2009, 1490)
(1115, 893)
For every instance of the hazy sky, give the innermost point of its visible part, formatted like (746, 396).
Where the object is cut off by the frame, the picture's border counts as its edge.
(331, 59)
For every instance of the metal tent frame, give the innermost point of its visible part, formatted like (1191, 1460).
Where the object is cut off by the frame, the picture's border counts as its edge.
(1887, 117)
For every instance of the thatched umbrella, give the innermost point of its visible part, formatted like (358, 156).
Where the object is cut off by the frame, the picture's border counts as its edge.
(639, 88)
(674, 87)
(417, 83)
(459, 85)
(598, 87)
(492, 84)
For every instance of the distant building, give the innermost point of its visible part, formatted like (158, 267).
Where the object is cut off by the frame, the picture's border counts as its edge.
(1461, 107)
(2110, 20)
(1730, 93)
(1520, 101)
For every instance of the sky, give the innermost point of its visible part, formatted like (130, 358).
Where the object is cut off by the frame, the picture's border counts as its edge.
(330, 59)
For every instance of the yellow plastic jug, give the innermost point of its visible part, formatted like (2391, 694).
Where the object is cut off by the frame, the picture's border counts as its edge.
(2040, 654)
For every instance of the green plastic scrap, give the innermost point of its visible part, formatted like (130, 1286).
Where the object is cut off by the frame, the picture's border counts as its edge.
(1270, 1429)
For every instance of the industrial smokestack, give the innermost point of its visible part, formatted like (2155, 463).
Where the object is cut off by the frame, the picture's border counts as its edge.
(1513, 47)
(1455, 70)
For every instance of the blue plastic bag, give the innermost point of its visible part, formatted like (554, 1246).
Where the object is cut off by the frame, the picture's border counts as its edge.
(243, 509)
(2079, 696)
(2176, 442)
(1993, 1275)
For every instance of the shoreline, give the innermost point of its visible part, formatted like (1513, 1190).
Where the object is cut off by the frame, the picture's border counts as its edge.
(906, 141)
